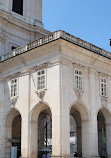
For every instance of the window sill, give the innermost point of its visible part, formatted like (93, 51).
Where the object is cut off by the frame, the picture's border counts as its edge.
(18, 16)
(13, 100)
(41, 93)
(103, 96)
(79, 90)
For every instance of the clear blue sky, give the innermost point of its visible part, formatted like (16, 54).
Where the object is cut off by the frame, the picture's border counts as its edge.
(89, 20)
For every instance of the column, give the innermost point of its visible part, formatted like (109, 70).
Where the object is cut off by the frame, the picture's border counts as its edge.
(33, 150)
(24, 81)
(6, 145)
(25, 139)
(60, 136)
(89, 139)
(89, 127)
(61, 115)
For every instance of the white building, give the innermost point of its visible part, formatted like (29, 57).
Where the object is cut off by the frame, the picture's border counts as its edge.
(54, 88)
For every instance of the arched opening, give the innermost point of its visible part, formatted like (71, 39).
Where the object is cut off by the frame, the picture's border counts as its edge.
(13, 133)
(44, 133)
(16, 134)
(75, 133)
(41, 131)
(80, 123)
(17, 6)
(104, 128)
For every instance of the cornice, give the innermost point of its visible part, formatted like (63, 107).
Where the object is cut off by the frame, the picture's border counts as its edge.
(55, 36)
(21, 22)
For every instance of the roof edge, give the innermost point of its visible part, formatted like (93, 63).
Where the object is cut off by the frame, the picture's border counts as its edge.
(54, 36)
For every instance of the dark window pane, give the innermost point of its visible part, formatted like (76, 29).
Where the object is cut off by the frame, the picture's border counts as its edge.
(18, 6)
(13, 47)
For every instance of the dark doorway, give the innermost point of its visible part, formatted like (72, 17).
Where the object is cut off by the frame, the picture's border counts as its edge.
(101, 135)
(16, 134)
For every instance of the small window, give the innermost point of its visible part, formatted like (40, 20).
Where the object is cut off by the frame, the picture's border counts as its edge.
(41, 79)
(17, 6)
(78, 79)
(103, 86)
(13, 47)
(71, 134)
(14, 87)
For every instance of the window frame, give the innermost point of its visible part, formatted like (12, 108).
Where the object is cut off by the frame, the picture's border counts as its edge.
(74, 80)
(45, 74)
(17, 88)
(104, 92)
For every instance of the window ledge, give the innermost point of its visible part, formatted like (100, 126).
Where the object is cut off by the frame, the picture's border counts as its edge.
(13, 100)
(41, 94)
(103, 96)
(79, 90)
(79, 94)
(104, 101)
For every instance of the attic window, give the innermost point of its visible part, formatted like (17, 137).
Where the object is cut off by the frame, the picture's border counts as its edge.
(13, 47)
(17, 6)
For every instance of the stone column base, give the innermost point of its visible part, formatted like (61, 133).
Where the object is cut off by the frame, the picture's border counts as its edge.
(92, 157)
(68, 156)
(60, 156)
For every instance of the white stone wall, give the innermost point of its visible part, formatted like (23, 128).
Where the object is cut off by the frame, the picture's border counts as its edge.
(17, 30)
(60, 58)
(32, 10)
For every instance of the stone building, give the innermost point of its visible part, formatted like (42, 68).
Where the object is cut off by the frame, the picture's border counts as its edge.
(54, 92)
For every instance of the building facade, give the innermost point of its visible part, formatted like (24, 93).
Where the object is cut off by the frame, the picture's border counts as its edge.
(54, 95)
(20, 23)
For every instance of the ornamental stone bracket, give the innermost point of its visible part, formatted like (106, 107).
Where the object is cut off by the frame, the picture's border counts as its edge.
(13, 101)
(104, 101)
(79, 94)
(41, 95)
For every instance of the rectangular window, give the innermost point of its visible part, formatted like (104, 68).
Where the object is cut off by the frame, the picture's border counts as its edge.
(78, 79)
(13, 48)
(41, 79)
(103, 86)
(17, 6)
(14, 83)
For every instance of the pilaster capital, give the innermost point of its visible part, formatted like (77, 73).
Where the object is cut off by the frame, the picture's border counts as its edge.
(92, 71)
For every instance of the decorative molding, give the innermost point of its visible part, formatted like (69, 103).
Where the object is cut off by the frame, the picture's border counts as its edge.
(41, 66)
(13, 101)
(78, 66)
(55, 36)
(41, 95)
(14, 75)
(79, 94)
(100, 74)
(104, 101)
(55, 62)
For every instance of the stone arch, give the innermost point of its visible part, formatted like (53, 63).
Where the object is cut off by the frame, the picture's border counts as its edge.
(38, 108)
(34, 118)
(10, 126)
(78, 105)
(106, 112)
(12, 113)
(81, 115)
(104, 122)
